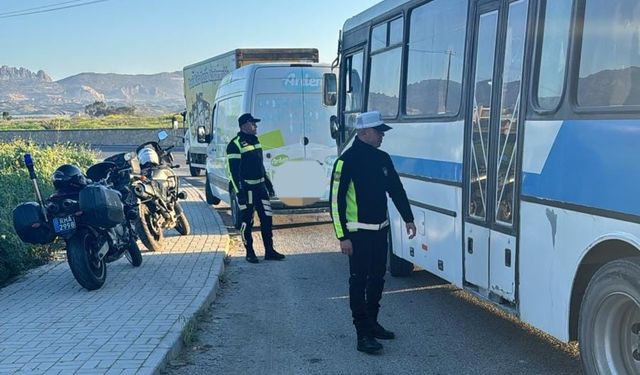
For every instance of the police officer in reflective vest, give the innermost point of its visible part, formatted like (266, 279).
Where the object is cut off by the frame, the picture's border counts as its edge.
(251, 186)
(362, 177)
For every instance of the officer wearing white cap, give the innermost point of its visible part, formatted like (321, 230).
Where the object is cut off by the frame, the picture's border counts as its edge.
(362, 177)
(251, 186)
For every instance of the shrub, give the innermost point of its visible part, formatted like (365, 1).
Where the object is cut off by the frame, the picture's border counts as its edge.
(16, 187)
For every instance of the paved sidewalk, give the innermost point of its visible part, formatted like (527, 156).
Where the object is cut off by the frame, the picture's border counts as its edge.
(49, 324)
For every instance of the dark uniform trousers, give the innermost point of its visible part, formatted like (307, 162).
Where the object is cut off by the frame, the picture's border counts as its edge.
(257, 199)
(367, 266)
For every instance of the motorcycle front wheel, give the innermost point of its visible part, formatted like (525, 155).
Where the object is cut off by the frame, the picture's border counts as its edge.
(133, 254)
(88, 270)
(182, 223)
(150, 234)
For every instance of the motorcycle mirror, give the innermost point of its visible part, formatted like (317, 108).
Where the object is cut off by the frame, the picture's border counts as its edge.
(162, 135)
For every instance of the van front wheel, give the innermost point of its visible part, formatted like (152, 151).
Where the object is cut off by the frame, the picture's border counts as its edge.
(609, 324)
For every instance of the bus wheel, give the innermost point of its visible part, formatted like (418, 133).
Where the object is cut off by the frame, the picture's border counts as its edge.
(398, 267)
(609, 325)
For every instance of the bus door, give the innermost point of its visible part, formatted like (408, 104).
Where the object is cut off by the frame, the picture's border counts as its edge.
(493, 122)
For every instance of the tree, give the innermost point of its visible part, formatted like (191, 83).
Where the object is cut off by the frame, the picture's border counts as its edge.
(6, 115)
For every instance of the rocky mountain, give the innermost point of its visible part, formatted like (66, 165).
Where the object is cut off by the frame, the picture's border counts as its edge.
(23, 92)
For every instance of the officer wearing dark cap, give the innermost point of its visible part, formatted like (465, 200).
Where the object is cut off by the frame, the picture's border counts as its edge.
(362, 177)
(251, 186)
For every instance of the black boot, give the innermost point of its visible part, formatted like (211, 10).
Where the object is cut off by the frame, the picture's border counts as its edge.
(368, 344)
(273, 255)
(382, 334)
(251, 257)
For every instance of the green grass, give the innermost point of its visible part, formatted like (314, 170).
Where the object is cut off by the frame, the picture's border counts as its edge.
(16, 187)
(75, 123)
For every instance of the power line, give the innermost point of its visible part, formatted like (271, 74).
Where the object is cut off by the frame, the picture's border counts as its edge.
(26, 13)
(40, 7)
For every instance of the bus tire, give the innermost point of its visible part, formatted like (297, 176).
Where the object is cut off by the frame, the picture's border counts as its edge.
(609, 323)
(236, 215)
(398, 267)
(211, 199)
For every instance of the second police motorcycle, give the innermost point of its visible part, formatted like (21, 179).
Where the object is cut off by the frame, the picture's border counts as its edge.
(158, 189)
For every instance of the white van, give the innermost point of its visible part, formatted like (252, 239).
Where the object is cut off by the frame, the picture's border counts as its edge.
(298, 149)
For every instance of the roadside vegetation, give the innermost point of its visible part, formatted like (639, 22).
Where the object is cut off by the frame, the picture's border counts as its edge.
(118, 121)
(16, 187)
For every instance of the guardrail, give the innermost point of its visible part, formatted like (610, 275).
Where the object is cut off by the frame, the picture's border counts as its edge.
(92, 137)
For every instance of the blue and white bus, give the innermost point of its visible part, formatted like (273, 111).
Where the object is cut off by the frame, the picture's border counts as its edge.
(517, 137)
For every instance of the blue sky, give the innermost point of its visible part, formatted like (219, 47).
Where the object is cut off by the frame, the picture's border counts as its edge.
(152, 36)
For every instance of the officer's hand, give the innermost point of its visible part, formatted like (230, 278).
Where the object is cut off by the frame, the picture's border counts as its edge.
(411, 230)
(271, 192)
(346, 247)
(242, 197)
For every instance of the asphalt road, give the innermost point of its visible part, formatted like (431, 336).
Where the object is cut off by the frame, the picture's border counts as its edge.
(293, 317)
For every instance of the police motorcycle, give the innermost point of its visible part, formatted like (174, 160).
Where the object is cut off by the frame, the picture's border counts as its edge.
(94, 215)
(158, 189)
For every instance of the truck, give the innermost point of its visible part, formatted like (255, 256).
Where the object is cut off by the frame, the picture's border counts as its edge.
(201, 82)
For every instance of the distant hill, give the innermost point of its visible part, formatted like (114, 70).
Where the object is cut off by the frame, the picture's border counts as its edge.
(23, 92)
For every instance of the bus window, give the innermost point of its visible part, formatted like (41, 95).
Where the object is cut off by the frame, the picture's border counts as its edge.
(610, 58)
(437, 33)
(509, 111)
(384, 78)
(395, 31)
(384, 82)
(379, 37)
(553, 53)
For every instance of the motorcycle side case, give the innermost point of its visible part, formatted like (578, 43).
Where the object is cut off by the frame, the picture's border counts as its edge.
(29, 224)
(101, 206)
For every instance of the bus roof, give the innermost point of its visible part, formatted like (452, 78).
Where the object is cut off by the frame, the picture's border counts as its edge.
(371, 13)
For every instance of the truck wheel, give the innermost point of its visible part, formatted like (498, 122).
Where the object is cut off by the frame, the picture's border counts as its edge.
(609, 324)
(398, 267)
(211, 199)
(195, 172)
(82, 250)
(236, 215)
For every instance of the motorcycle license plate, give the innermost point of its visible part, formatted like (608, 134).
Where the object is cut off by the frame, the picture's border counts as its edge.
(64, 224)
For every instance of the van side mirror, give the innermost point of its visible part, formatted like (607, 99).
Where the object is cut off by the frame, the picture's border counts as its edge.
(203, 137)
(329, 89)
(334, 126)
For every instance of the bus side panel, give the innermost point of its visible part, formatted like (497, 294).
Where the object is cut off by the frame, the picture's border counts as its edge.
(565, 162)
(553, 242)
(430, 151)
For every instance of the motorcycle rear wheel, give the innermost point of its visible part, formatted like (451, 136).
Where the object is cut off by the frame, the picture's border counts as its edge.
(182, 223)
(90, 272)
(151, 237)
